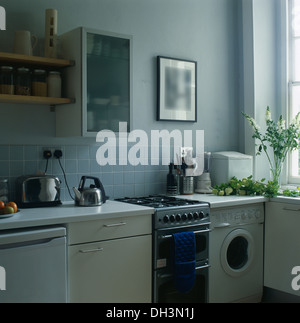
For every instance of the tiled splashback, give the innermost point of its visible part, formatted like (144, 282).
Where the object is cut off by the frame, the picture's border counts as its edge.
(78, 160)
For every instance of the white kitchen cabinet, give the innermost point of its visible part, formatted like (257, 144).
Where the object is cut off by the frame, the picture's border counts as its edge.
(100, 82)
(282, 246)
(110, 260)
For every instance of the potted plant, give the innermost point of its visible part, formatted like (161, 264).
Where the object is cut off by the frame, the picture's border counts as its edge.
(281, 138)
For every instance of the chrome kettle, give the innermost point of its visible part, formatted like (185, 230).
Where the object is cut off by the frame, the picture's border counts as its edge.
(94, 195)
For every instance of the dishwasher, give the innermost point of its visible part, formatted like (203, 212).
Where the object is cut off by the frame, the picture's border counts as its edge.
(33, 265)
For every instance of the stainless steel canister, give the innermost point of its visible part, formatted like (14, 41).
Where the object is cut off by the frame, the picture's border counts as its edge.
(186, 185)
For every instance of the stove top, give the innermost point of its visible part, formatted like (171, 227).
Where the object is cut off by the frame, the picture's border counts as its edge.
(171, 211)
(160, 201)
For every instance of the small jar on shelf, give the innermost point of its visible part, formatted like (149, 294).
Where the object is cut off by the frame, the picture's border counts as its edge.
(39, 83)
(7, 80)
(23, 81)
(54, 84)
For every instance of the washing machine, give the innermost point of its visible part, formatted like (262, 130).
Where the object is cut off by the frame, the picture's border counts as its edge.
(236, 254)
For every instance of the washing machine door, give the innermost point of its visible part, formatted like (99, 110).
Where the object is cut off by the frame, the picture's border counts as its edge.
(237, 252)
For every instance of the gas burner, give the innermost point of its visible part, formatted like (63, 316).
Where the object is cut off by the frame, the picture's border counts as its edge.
(159, 201)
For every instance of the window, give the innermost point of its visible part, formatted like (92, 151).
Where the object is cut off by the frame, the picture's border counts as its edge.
(294, 78)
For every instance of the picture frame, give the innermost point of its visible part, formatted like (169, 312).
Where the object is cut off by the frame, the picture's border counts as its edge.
(176, 89)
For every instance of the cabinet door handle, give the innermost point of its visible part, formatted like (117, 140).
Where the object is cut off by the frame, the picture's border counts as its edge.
(288, 209)
(114, 225)
(91, 250)
(222, 225)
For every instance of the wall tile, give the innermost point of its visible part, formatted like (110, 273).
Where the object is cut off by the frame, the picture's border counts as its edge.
(16, 153)
(4, 152)
(30, 153)
(118, 180)
(4, 169)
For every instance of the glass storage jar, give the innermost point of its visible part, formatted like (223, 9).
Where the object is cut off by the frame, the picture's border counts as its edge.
(7, 80)
(4, 190)
(23, 81)
(39, 83)
(54, 84)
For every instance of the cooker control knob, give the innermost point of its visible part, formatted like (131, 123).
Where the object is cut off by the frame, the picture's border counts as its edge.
(196, 215)
(178, 217)
(184, 216)
(190, 216)
(172, 218)
(166, 219)
(201, 214)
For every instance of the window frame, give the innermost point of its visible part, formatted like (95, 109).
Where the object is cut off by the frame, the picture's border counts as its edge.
(293, 157)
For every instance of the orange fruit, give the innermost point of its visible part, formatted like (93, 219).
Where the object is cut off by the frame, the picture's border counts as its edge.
(2, 205)
(13, 205)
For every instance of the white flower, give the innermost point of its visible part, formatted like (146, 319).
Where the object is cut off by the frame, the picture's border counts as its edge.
(296, 121)
(268, 114)
(281, 124)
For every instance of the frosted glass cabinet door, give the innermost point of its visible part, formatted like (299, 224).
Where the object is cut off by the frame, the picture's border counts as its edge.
(100, 81)
(108, 80)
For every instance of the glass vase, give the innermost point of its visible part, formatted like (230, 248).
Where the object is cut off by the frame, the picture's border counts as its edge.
(276, 173)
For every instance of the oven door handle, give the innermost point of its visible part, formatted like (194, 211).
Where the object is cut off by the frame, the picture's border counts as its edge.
(168, 236)
(171, 275)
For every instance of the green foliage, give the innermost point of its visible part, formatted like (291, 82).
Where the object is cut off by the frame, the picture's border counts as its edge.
(246, 186)
(280, 138)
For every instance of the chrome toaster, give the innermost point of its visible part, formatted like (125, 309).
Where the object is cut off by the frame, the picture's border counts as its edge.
(37, 191)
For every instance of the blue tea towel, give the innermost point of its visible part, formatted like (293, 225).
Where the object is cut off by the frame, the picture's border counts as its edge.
(184, 261)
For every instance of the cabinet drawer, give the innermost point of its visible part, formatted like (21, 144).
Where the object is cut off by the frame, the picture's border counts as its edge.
(112, 271)
(97, 230)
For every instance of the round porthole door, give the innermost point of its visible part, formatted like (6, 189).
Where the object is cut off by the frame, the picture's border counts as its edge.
(237, 252)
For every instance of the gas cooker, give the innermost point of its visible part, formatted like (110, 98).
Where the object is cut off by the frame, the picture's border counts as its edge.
(171, 211)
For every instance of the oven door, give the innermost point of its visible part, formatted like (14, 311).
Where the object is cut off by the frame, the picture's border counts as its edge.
(165, 291)
(163, 245)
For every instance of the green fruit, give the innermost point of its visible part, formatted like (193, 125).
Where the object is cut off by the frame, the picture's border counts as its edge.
(221, 193)
(8, 210)
(228, 190)
(215, 191)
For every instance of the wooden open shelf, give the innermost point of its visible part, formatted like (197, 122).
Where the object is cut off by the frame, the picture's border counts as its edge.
(25, 60)
(35, 60)
(6, 98)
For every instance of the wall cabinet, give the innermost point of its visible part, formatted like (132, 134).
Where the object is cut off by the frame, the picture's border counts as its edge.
(110, 260)
(282, 245)
(100, 81)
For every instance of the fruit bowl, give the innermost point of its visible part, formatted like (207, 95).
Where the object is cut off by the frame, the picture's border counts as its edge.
(8, 215)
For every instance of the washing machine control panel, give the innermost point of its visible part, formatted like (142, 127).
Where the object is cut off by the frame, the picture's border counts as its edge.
(238, 215)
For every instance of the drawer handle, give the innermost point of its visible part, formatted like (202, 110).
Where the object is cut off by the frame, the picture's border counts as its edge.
(114, 225)
(222, 225)
(91, 250)
(288, 209)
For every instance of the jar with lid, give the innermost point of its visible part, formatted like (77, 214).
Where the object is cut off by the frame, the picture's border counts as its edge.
(39, 83)
(4, 190)
(54, 84)
(7, 80)
(23, 81)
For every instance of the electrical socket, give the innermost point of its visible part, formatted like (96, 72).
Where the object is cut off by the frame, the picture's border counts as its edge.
(57, 153)
(52, 149)
(47, 154)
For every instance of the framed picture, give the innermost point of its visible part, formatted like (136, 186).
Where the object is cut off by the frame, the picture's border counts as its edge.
(176, 89)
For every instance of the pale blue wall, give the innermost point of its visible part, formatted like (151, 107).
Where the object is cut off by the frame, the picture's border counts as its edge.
(201, 30)
(206, 31)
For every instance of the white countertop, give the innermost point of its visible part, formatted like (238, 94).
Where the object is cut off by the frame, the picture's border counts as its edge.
(68, 212)
(286, 199)
(225, 201)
